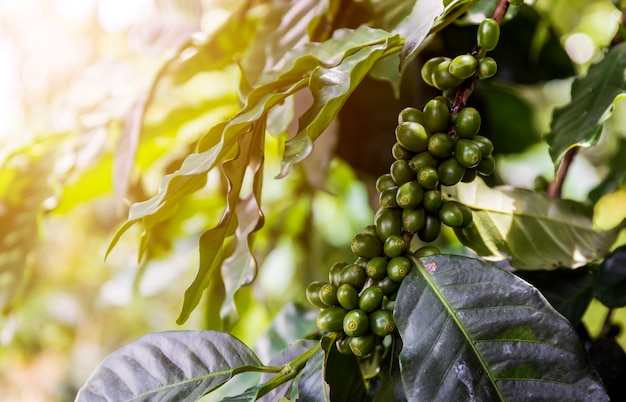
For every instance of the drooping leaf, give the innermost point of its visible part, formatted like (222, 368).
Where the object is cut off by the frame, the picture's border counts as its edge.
(568, 291)
(416, 26)
(472, 331)
(212, 241)
(579, 123)
(172, 366)
(610, 281)
(528, 229)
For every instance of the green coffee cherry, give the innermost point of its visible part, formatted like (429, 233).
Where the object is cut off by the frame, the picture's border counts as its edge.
(441, 77)
(356, 323)
(413, 219)
(331, 319)
(388, 222)
(398, 268)
(366, 245)
(381, 322)
(441, 145)
(395, 246)
(432, 200)
(371, 299)
(423, 159)
(354, 275)
(488, 34)
(427, 177)
(450, 214)
(463, 66)
(410, 114)
(362, 345)
(487, 67)
(485, 145)
(429, 67)
(427, 251)
(384, 182)
(387, 198)
(376, 268)
(467, 122)
(469, 176)
(334, 274)
(328, 295)
(436, 115)
(401, 172)
(412, 136)
(399, 152)
(313, 293)
(369, 229)
(431, 229)
(467, 153)
(486, 166)
(348, 297)
(409, 195)
(450, 172)
(387, 285)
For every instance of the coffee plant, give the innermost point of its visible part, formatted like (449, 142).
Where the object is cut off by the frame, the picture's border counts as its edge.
(461, 287)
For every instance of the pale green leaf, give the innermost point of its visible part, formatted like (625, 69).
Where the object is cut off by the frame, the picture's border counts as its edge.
(528, 229)
(579, 123)
(416, 26)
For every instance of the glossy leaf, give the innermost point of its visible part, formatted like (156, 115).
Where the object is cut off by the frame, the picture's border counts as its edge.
(528, 229)
(472, 331)
(312, 386)
(176, 365)
(610, 281)
(579, 123)
(568, 291)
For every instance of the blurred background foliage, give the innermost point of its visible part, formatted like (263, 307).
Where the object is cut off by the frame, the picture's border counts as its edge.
(76, 149)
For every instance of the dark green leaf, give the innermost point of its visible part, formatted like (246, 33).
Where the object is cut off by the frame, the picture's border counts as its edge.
(172, 366)
(579, 123)
(610, 281)
(530, 230)
(344, 377)
(472, 331)
(312, 386)
(569, 291)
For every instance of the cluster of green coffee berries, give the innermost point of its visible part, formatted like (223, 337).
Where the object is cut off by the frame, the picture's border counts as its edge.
(434, 147)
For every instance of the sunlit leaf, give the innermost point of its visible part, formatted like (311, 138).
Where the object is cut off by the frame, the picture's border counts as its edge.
(331, 88)
(610, 210)
(172, 366)
(529, 229)
(616, 174)
(472, 331)
(579, 123)
(416, 26)
(610, 281)
(212, 241)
